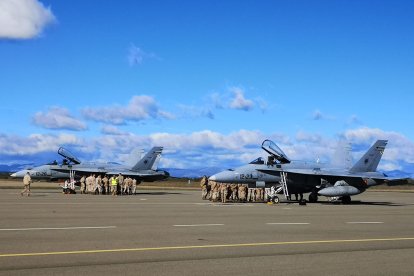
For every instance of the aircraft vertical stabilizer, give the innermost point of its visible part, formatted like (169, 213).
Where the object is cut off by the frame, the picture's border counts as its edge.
(369, 162)
(148, 161)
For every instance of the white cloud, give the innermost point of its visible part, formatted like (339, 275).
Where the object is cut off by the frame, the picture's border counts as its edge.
(239, 101)
(388, 166)
(137, 55)
(302, 136)
(217, 100)
(35, 143)
(399, 146)
(23, 19)
(58, 118)
(211, 149)
(112, 130)
(139, 108)
(189, 111)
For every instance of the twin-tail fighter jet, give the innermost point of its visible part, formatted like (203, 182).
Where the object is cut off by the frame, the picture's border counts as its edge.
(145, 169)
(298, 177)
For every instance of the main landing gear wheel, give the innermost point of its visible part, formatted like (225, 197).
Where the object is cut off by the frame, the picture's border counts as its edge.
(302, 202)
(275, 200)
(346, 199)
(313, 197)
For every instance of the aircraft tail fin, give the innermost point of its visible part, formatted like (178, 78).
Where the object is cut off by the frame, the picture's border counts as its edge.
(149, 161)
(370, 160)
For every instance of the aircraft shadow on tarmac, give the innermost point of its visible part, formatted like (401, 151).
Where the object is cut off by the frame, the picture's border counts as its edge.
(158, 193)
(367, 203)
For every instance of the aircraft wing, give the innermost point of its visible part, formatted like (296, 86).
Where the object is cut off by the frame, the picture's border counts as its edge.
(333, 175)
(84, 170)
(146, 175)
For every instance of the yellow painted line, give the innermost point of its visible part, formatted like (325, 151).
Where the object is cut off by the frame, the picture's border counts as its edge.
(143, 249)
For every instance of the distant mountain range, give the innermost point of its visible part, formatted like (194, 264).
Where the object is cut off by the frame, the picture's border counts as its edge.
(187, 173)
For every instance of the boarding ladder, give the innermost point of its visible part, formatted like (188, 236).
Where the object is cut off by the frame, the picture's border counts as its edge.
(72, 176)
(283, 181)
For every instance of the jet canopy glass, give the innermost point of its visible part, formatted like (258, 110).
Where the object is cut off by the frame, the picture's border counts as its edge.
(258, 161)
(271, 148)
(68, 155)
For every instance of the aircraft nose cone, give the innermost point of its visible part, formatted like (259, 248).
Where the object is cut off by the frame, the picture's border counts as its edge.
(13, 175)
(212, 178)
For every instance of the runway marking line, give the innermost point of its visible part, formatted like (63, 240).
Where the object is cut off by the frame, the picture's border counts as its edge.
(59, 228)
(365, 222)
(197, 225)
(143, 249)
(287, 223)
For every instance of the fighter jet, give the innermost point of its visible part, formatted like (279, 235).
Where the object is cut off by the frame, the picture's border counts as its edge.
(145, 169)
(45, 172)
(298, 177)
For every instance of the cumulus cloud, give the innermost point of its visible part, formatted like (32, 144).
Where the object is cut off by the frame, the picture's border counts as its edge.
(234, 98)
(23, 19)
(139, 108)
(137, 55)
(35, 143)
(239, 101)
(58, 118)
(399, 146)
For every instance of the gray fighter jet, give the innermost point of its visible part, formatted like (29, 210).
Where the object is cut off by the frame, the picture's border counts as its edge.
(144, 170)
(298, 177)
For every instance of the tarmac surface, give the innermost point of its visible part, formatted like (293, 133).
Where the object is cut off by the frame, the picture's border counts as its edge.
(174, 232)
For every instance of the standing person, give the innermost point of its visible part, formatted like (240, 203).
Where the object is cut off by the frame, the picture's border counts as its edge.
(224, 192)
(27, 180)
(82, 182)
(203, 184)
(98, 184)
(114, 184)
(120, 179)
(89, 184)
(106, 184)
(93, 184)
(126, 186)
(134, 186)
(233, 188)
(243, 193)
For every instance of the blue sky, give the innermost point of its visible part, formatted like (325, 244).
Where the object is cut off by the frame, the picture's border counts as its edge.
(208, 80)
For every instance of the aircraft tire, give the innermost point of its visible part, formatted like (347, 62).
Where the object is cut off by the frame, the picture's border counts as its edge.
(313, 197)
(275, 200)
(346, 200)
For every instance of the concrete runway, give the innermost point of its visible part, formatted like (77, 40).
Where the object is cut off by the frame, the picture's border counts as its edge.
(174, 232)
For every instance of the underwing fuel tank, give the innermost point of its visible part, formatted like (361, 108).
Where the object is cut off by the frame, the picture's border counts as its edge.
(339, 191)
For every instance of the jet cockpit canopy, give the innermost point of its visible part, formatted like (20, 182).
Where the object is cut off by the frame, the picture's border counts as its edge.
(258, 161)
(271, 148)
(68, 155)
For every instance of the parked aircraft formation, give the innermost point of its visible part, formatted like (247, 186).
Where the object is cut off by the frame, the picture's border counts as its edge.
(276, 175)
(280, 174)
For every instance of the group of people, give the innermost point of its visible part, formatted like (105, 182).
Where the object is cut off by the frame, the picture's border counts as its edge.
(215, 191)
(115, 185)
